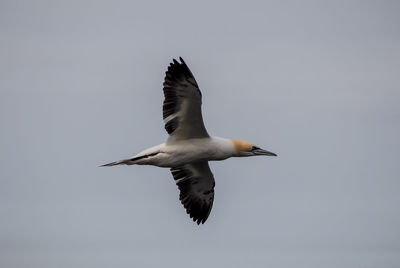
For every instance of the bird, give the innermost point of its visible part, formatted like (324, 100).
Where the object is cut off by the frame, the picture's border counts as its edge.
(189, 147)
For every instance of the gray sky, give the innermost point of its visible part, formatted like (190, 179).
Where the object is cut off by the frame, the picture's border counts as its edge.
(316, 82)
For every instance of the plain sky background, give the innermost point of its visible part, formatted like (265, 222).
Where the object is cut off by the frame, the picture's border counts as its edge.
(316, 82)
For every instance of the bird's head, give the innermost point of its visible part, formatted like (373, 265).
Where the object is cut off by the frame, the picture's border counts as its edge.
(245, 148)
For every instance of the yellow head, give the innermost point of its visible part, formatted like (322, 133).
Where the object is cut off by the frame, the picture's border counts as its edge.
(245, 148)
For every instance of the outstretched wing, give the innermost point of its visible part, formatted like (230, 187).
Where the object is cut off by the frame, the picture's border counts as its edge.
(182, 103)
(196, 184)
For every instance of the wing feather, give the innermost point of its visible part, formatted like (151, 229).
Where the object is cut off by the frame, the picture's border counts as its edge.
(196, 184)
(182, 103)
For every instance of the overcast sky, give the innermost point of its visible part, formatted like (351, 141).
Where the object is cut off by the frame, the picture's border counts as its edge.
(318, 83)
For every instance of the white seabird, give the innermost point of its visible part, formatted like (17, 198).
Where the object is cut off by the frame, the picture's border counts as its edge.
(189, 147)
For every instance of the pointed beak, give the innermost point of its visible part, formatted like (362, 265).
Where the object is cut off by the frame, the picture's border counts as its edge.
(263, 152)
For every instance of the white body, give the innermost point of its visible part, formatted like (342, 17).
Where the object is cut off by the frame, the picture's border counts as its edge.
(180, 152)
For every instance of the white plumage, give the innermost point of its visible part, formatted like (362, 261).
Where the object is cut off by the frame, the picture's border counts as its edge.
(189, 147)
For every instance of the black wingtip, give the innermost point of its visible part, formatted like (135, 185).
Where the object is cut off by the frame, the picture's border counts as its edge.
(174, 61)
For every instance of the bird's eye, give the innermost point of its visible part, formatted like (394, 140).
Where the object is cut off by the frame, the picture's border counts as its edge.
(254, 148)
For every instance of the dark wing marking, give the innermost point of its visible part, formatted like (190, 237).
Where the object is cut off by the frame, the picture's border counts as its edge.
(196, 184)
(182, 103)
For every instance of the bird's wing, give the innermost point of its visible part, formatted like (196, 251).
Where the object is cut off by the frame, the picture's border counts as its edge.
(182, 103)
(196, 184)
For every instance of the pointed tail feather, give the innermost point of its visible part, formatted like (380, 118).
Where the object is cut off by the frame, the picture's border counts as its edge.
(121, 162)
(129, 161)
(110, 164)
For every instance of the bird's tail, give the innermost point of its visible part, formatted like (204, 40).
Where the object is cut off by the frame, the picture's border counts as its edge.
(129, 161)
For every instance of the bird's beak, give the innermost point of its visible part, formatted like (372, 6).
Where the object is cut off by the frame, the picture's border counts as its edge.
(263, 152)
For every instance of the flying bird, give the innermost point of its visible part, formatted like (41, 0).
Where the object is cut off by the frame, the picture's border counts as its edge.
(189, 147)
